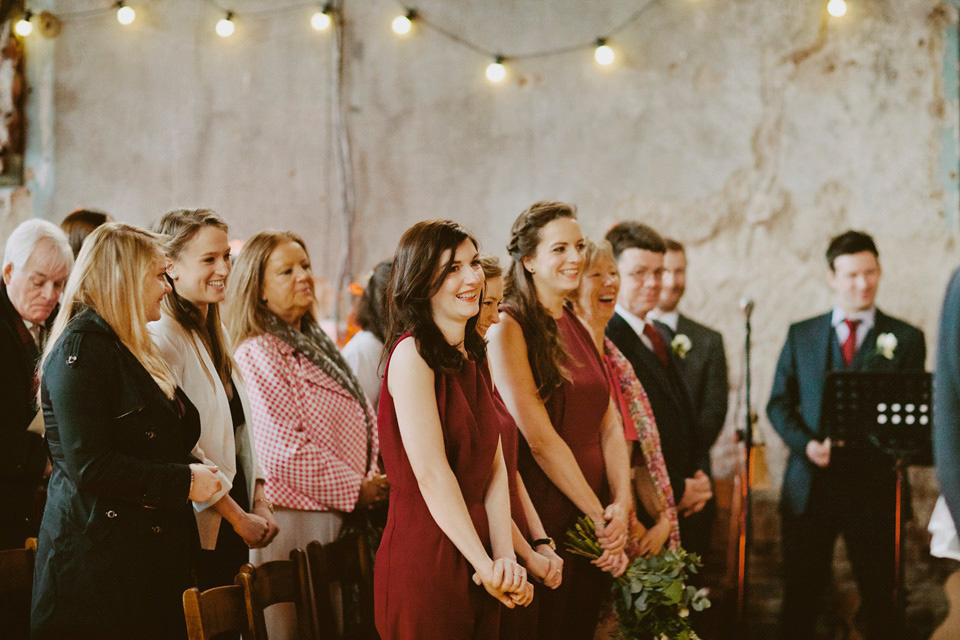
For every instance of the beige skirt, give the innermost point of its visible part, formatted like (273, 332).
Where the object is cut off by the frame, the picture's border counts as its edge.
(297, 528)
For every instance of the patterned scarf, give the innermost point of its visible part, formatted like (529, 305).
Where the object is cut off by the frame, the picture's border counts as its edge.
(316, 346)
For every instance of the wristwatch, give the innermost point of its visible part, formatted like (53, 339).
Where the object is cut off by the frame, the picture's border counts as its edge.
(547, 541)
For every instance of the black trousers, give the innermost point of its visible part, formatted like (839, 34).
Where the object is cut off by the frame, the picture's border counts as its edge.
(861, 508)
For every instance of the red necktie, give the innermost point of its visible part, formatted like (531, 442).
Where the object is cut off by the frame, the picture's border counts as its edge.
(850, 344)
(659, 348)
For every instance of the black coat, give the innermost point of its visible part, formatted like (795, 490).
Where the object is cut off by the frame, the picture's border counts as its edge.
(22, 453)
(118, 537)
(796, 398)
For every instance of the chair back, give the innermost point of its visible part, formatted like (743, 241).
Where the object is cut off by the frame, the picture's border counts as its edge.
(16, 587)
(343, 565)
(214, 611)
(276, 582)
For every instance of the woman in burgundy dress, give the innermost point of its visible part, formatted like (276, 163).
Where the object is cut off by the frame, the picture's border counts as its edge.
(573, 457)
(447, 538)
(541, 561)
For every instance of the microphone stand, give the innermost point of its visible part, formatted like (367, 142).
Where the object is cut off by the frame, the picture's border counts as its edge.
(745, 436)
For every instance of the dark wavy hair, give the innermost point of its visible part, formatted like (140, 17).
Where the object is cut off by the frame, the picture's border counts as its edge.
(371, 310)
(545, 350)
(417, 274)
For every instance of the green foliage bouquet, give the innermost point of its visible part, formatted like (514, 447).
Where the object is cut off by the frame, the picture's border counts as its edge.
(651, 599)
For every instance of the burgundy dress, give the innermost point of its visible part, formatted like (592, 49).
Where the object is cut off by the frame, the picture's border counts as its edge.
(576, 409)
(422, 583)
(519, 623)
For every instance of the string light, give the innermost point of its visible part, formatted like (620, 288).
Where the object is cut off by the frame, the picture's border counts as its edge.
(225, 25)
(321, 20)
(24, 27)
(603, 54)
(125, 15)
(837, 8)
(496, 72)
(403, 24)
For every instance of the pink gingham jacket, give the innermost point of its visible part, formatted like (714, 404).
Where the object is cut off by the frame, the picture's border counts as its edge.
(310, 433)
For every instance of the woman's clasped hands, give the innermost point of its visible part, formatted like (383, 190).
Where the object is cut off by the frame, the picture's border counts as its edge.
(506, 581)
(612, 536)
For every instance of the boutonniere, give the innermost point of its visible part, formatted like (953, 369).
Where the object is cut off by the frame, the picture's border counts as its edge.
(886, 345)
(681, 345)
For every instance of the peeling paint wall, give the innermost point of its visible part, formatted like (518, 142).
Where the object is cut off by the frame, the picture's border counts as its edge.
(737, 126)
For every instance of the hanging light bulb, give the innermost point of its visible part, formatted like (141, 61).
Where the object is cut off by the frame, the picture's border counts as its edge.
(603, 54)
(403, 24)
(837, 8)
(225, 25)
(125, 15)
(321, 20)
(496, 72)
(24, 27)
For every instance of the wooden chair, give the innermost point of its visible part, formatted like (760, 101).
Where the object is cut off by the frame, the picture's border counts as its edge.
(277, 582)
(720, 567)
(16, 587)
(344, 564)
(218, 610)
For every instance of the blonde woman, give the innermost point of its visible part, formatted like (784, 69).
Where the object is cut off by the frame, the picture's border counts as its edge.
(192, 342)
(118, 535)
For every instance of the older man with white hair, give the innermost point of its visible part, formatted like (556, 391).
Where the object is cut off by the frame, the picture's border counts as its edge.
(36, 263)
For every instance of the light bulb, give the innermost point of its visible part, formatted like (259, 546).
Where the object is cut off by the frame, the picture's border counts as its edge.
(402, 25)
(837, 8)
(320, 21)
(125, 15)
(225, 26)
(603, 54)
(496, 72)
(24, 27)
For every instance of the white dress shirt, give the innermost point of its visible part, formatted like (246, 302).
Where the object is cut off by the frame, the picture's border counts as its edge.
(867, 319)
(669, 318)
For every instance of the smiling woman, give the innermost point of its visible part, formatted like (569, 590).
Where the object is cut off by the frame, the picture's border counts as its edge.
(449, 507)
(195, 347)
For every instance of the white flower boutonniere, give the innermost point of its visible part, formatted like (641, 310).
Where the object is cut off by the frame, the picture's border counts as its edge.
(681, 345)
(886, 345)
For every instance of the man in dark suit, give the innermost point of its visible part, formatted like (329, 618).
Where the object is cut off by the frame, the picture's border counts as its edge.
(639, 252)
(36, 262)
(700, 348)
(829, 491)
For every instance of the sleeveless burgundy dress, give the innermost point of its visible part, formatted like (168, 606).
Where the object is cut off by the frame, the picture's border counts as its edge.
(519, 623)
(576, 409)
(422, 583)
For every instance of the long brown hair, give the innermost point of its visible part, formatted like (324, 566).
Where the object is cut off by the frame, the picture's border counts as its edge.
(180, 227)
(545, 350)
(416, 276)
(246, 312)
(110, 277)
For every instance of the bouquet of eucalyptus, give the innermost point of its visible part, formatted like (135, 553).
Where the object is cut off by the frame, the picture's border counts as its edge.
(651, 599)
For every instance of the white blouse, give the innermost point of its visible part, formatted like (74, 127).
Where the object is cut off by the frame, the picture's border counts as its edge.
(194, 372)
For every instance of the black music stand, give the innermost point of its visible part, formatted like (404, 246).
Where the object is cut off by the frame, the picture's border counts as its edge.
(888, 411)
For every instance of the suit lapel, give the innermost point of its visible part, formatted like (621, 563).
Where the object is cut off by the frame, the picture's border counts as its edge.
(866, 357)
(813, 367)
(644, 355)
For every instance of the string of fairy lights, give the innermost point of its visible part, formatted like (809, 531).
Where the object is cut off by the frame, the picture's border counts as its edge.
(404, 24)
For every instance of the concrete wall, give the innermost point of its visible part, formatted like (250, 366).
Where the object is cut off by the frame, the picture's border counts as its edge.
(733, 125)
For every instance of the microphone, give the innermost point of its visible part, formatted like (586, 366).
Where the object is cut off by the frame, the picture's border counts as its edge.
(746, 305)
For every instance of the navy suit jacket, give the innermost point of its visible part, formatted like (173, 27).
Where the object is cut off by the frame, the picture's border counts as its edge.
(669, 399)
(946, 400)
(797, 394)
